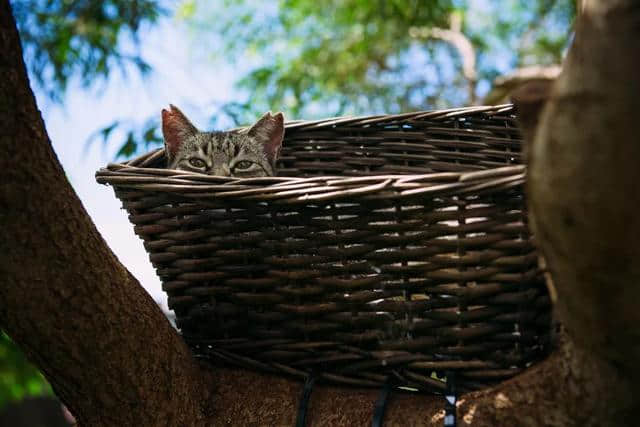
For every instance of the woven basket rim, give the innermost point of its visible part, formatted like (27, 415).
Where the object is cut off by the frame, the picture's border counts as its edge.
(415, 261)
(136, 174)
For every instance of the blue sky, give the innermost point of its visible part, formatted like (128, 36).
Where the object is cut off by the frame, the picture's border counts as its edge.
(177, 78)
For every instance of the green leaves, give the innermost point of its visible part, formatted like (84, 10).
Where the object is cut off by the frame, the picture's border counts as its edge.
(356, 56)
(18, 378)
(305, 57)
(83, 39)
(136, 136)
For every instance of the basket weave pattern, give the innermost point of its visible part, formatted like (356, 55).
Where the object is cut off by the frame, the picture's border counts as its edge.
(389, 246)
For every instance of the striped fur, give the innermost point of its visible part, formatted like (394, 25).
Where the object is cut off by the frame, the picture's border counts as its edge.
(244, 154)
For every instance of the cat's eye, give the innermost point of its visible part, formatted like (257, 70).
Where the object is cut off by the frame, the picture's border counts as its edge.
(197, 163)
(243, 165)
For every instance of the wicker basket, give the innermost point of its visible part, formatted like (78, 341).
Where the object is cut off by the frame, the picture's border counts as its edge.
(389, 248)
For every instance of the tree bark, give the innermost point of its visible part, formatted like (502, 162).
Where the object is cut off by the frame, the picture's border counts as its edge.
(115, 361)
(584, 191)
(78, 314)
(584, 169)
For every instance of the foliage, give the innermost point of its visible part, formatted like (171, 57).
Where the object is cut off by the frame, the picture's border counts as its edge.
(18, 378)
(307, 58)
(86, 39)
(314, 58)
(137, 136)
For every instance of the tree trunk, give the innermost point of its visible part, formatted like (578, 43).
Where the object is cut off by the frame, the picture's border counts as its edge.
(584, 192)
(115, 361)
(584, 184)
(79, 315)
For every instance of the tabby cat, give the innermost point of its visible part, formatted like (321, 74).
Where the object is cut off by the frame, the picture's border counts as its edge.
(244, 154)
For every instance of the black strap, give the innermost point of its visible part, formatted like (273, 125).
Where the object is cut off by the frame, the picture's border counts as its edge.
(450, 400)
(304, 400)
(381, 404)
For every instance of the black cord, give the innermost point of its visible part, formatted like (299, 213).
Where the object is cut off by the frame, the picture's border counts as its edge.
(304, 400)
(450, 400)
(381, 404)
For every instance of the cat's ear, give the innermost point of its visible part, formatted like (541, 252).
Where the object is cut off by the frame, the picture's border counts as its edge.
(175, 129)
(269, 131)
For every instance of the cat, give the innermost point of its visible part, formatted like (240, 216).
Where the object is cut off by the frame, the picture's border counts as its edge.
(244, 154)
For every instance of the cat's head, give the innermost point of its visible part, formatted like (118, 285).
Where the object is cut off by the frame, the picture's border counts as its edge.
(248, 153)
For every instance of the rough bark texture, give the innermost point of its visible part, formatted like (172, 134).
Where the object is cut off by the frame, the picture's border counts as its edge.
(65, 298)
(564, 390)
(115, 361)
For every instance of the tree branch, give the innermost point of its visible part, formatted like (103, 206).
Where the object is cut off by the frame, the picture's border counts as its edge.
(583, 192)
(584, 183)
(65, 299)
(456, 38)
(503, 86)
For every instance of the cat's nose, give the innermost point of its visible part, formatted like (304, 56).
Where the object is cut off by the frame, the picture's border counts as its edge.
(222, 170)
